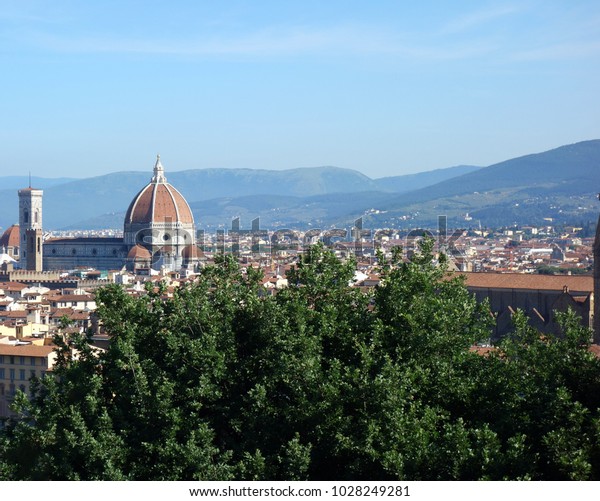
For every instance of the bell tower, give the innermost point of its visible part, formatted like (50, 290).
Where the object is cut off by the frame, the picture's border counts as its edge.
(30, 228)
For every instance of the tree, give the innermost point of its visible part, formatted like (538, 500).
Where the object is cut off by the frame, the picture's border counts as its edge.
(320, 381)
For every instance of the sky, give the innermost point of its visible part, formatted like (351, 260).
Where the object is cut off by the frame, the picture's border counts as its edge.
(384, 87)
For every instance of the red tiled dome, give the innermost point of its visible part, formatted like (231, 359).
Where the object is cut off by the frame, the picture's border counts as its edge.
(10, 238)
(158, 202)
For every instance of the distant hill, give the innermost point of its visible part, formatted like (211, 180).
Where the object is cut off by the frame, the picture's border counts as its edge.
(205, 184)
(576, 165)
(100, 202)
(559, 184)
(279, 211)
(410, 182)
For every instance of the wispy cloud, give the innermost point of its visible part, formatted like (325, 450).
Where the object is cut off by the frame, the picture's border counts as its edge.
(267, 43)
(22, 13)
(477, 18)
(280, 41)
(567, 50)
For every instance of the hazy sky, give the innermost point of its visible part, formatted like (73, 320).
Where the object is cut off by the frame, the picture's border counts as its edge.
(384, 87)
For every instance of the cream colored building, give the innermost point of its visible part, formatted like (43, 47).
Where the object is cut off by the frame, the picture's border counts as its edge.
(19, 363)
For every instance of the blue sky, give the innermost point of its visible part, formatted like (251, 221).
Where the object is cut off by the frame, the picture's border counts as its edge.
(384, 87)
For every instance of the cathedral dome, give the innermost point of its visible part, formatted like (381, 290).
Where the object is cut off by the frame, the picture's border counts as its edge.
(159, 202)
(160, 221)
(10, 238)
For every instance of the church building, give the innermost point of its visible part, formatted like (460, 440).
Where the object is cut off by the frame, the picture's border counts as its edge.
(159, 234)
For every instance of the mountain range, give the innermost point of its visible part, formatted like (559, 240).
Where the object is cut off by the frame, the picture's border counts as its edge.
(559, 184)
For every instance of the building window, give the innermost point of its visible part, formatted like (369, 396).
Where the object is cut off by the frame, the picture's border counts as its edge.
(39, 244)
(31, 360)
(12, 374)
(73, 251)
(32, 374)
(53, 251)
(22, 388)
(2, 375)
(22, 375)
(1, 359)
(11, 390)
(94, 252)
(12, 360)
(22, 360)
(36, 216)
(26, 216)
(1, 389)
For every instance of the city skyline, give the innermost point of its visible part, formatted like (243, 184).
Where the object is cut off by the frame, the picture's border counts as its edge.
(387, 89)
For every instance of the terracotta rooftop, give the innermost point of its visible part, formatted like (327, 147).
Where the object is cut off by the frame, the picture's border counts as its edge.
(581, 283)
(26, 350)
(79, 315)
(485, 350)
(192, 252)
(71, 297)
(139, 252)
(12, 286)
(14, 314)
(595, 349)
(59, 312)
(482, 350)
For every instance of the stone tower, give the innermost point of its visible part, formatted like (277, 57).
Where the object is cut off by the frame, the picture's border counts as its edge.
(30, 228)
(597, 284)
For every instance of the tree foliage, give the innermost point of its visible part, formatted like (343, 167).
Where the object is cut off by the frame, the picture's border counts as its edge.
(321, 381)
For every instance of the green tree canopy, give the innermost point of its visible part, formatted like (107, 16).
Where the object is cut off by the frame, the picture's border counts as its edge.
(320, 381)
